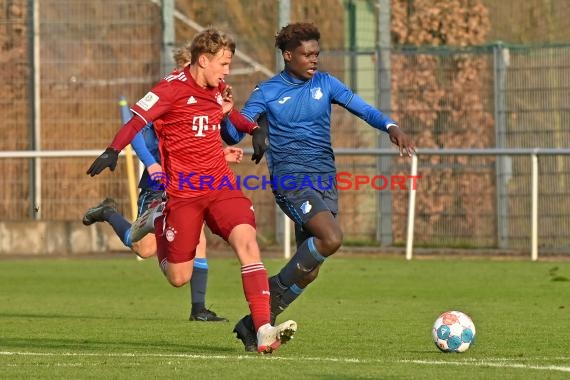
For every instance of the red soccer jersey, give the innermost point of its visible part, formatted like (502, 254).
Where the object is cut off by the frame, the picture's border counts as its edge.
(187, 124)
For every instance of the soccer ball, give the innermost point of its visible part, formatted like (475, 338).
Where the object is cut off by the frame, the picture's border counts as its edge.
(453, 331)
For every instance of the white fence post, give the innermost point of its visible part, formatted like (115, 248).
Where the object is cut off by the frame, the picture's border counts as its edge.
(286, 237)
(411, 210)
(37, 130)
(534, 205)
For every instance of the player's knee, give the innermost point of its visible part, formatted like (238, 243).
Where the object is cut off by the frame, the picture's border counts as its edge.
(248, 251)
(331, 243)
(178, 280)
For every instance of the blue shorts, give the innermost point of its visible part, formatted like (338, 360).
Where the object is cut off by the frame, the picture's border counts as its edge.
(300, 205)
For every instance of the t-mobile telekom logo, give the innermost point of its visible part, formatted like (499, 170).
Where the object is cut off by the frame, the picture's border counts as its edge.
(200, 124)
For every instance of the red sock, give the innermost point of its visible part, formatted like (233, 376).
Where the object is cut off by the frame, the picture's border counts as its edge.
(256, 290)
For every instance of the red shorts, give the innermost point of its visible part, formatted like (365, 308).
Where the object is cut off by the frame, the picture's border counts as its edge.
(178, 230)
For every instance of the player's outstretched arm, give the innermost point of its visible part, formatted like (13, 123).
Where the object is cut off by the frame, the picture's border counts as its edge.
(259, 136)
(109, 158)
(141, 149)
(402, 140)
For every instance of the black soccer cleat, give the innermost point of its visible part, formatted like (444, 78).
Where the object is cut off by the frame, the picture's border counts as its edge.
(206, 315)
(246, 333)
(99, 212)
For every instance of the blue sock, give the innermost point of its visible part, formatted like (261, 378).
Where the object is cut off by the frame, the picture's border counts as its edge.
(127, 238)
(290, 295)
(305, 260)
(198, 284)
(285, 300)
(121, 226)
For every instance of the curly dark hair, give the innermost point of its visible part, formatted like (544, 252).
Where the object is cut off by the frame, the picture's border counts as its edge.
(292, 35)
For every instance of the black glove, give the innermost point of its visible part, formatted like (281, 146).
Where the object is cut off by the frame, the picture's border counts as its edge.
(108, 159)
(259, 142)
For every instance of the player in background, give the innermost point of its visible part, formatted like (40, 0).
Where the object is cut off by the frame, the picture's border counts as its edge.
(151, 199)
(296, 104)
(187, 110)
(143, 242)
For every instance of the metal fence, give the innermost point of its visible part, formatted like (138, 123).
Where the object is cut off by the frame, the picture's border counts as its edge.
(62, 83)
(494, 96)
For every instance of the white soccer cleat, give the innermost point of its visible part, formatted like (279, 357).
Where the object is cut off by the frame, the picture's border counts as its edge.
(269, 338)
(145, 223)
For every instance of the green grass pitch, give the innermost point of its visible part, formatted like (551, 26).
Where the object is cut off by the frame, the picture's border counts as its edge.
(364, 318)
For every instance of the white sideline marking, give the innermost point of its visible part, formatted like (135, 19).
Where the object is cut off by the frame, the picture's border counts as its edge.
(184, 356)
(492, 362)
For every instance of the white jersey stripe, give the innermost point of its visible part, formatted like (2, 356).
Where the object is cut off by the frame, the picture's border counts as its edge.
(180, 76)
(139, 115)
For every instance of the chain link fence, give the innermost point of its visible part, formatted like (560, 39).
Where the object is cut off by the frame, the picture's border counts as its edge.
(90, 53)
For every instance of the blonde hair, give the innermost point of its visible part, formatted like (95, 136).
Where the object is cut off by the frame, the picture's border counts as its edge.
(181, 56)
(210, 41)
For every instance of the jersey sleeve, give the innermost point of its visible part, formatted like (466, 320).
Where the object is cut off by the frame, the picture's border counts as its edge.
(255, 105)
(240, 122)
(155, 103)
(141, 149)
(343, 96)
(230, 134)
(127, 133)
(236, 119)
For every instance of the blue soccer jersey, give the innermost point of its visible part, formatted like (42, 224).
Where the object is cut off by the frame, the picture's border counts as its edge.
(298, 113)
